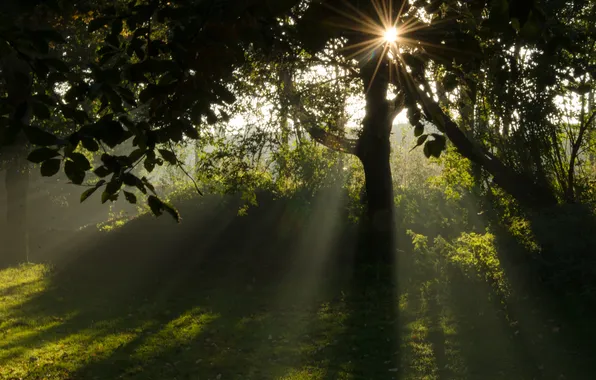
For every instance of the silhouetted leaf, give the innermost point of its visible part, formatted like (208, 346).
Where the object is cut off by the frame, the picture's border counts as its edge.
(40, 137)
(155, 204)
(90, 144)
(57, 64)
(50, 167)
(172, 211)
(130, 197)
(149, 164)
(418, 130)
(40, 110)
(42, 154)
(87, 193)
(102, 171)
(80, 160)
(73, 172)
(168, 156)
(97, 23)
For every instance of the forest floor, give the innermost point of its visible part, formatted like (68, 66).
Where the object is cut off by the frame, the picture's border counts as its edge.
(269, 296)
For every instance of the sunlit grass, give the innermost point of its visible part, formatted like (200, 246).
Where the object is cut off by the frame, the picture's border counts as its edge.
(178, 332)
(17, 286)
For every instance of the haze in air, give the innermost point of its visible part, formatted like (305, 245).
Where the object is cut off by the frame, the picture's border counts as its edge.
(297, 189)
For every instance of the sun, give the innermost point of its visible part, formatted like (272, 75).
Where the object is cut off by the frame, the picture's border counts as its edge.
(391, 35)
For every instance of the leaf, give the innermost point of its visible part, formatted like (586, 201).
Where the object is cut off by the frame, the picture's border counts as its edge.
(40, 137)
(42, 154)
(90, 144)
(87, 193)
(40, 110)
(426, 150)
(130, 197)
(73, 172)
(136, 155)
(43, 98)
(418, 130)
(114, 185)
(102, 171)
(155, 204)
(168, 156)
(57, 64)
(148, 184)
(149, 164)
(97, 23)
(172, 211)
(50, 167)
(435, 147)
(112, 133)
(80, 160)
(420, 141)
(450, 82)
(191, 132)
(117, 26)
(50, 35)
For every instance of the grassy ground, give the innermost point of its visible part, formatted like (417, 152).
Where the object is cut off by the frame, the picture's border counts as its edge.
(274, 295)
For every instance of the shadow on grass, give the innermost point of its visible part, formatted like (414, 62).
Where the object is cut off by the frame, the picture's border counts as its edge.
(278, 294)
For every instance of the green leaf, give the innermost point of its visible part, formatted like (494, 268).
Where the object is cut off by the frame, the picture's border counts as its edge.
(39, 137)
(130, 197)
(168, 156)
(50, 167)
(73, 172)
(42, 154)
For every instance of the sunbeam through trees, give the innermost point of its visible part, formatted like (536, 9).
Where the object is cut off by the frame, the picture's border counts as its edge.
(352, 189)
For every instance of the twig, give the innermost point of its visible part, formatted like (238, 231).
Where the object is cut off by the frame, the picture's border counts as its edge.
(184, 171)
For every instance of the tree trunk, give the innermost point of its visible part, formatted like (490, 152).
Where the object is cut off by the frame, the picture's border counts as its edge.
(374, 150)
(17, 184)
(17, 174)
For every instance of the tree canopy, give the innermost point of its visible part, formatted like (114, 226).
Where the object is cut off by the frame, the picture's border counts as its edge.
(507, 83)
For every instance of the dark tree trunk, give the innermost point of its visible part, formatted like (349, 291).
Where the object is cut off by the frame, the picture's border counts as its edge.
(17, 185)
(374, 151)
(17, 174)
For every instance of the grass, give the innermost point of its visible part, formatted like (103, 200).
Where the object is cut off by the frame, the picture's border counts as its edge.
(221, 297)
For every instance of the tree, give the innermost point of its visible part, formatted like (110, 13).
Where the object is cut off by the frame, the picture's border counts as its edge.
(167, 70)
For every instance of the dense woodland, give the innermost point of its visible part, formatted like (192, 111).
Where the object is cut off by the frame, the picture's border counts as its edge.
(418, 177)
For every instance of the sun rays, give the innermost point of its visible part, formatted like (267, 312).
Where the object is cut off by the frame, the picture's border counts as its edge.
(380, 31)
